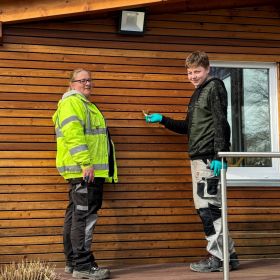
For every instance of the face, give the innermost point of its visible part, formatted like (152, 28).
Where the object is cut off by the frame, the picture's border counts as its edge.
(197, 75)
(82, 82)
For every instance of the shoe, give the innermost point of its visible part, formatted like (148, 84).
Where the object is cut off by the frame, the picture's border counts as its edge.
(210, 264)
(214, 264)
(233, 262)
(68, 269)
(95, 273)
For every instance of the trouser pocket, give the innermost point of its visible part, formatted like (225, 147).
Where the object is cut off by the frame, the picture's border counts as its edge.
(208, 187)
(80, 196)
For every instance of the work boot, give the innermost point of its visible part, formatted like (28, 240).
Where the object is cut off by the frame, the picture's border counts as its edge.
(214, 264)
(233, 262)
(210, 264)
(68, 269)
(94, 273)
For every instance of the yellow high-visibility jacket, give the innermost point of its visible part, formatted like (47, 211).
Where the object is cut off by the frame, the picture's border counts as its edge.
(82, 138)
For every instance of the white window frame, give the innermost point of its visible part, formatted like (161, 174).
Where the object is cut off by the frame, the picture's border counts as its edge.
(259, 176)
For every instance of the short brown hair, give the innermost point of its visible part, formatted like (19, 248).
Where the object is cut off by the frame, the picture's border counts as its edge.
(196, 59)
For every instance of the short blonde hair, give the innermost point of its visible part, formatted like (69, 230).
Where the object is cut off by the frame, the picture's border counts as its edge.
(197, 58)
(75, 72)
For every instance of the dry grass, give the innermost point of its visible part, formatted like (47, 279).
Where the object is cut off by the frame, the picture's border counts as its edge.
(33, 270)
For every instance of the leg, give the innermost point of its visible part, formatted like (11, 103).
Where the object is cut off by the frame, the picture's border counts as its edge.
(87, 200)
(209, 209)
(95, 198)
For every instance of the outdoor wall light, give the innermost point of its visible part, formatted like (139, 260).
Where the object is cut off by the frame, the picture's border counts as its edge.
(132, 22)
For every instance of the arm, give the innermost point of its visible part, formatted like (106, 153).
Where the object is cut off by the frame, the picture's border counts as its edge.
(72, 122)
(178, 126)
(218, 102)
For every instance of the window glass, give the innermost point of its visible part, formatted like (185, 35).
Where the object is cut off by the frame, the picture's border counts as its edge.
(248, 112)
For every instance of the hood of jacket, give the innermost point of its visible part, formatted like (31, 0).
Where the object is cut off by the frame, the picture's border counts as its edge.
(66, 95)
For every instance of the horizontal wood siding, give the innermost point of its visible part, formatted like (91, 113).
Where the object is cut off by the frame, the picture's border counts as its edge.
(148, 217)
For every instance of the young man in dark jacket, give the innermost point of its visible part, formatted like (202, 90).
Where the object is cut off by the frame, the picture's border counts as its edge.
(208, 133)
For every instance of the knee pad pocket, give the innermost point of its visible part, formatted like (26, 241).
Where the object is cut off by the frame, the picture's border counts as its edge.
(207, 221)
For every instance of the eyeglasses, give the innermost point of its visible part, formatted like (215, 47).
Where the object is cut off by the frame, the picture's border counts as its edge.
(83, 81)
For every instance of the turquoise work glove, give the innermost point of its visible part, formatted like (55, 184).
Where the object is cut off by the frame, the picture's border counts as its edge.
(216, 165)
(153, 118)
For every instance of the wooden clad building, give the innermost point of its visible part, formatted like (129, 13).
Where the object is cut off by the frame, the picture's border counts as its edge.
(148, 217)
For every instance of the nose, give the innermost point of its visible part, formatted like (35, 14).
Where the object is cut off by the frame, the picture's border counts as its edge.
(193, 77)
(88, 84)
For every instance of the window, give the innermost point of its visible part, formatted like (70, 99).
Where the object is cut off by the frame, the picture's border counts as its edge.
(252, 114)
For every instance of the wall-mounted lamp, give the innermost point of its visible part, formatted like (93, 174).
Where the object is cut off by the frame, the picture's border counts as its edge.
(132, 22)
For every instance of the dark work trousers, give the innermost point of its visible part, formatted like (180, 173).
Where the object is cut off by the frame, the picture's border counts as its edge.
(85, 199)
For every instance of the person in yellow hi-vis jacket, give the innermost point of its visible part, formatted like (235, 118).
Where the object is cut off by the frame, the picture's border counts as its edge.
(85, 158)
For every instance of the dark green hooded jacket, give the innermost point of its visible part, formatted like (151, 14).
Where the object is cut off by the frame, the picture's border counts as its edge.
(206, 122)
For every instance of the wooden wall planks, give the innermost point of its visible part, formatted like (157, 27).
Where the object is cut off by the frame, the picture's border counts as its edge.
(148, 217)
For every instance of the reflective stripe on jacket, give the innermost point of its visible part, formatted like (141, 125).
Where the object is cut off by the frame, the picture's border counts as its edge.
(82, 138)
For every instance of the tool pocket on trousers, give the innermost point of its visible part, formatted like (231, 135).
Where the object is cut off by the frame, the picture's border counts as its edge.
(208, 187)
(80, 196)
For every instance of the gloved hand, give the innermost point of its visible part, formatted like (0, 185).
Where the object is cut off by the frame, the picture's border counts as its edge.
(216, 165)
(153, 118)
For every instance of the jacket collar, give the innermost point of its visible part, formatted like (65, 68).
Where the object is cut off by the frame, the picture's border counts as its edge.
(74, 92)
(207, 81)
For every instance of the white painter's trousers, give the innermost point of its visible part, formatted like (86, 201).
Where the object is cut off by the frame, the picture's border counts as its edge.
(207, 200)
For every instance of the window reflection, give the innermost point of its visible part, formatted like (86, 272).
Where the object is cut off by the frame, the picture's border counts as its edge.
(248, 112)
